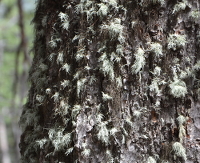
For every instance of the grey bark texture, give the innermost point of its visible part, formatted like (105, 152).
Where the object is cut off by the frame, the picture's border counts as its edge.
(4, 147)
(114, 81)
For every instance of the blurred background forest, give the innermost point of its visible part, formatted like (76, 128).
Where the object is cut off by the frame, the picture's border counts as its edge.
(16, 37)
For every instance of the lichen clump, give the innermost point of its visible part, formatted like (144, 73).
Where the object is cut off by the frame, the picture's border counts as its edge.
(176, 41)
(178, 88)
(179, 150)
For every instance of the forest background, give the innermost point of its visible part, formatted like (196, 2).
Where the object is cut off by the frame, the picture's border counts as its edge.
(16, 37)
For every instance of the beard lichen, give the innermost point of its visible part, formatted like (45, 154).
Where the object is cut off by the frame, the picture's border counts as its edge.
(95, 81)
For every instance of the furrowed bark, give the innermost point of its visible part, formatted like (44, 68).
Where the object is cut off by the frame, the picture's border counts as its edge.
(113, 81)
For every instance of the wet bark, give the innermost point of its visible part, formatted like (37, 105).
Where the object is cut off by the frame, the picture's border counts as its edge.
(114, 81)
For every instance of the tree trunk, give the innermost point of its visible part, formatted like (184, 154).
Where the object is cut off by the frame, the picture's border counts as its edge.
(114, 81)
(4, 147)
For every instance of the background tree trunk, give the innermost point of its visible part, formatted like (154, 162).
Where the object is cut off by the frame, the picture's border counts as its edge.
(114, 81)
(4, 147)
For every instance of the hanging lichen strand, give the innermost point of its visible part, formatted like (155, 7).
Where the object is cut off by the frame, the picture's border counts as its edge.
(112, 81)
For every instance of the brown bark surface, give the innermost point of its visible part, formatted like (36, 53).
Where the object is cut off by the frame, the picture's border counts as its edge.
(114, 81)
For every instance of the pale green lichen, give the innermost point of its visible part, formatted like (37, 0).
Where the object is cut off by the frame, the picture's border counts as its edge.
(29, 118)
(76, 37)
(137, 114)
(112, 3)
(62, 109)
(80, 85)
(59, 139)
(182, 132)
(195, 15)
(90, 13)
(39, 98)
(129, 122)
(65, 83)
(198, 92)
(87, 68)
(156, 48)
(68, 151)
(187, 73)
(43, 67)
(119, 81)
(197, 66)
(77, 74)
(107, 66)
(60, 58)
(48, 91)
(180, 6)
(55, 97)
(106, 97)
(178, 88)
(113, 131)
(99, 117)
(87, 7)
(64, 19)
(110, 158)
(63, 16)
(120, 50)
(139, 61)
(181, 120)
(157, 104)
(53, 43)
(92, 80)
(86, 152)
(156, 156)
(162, 2)
(66, 67)
(75, 111)
(80, 54)
(42, 142)
(151, 160)
(103, 10)
(179, 150)
(101, 49)
(154, 87)
(79, 8)
(133, 24)
(198, 37)
(103, 132)
(176, 41)
(52, 56)
(157, 71)
(114, 57)
(115, 30)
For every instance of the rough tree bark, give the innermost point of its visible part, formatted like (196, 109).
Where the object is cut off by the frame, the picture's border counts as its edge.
(114, 81)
